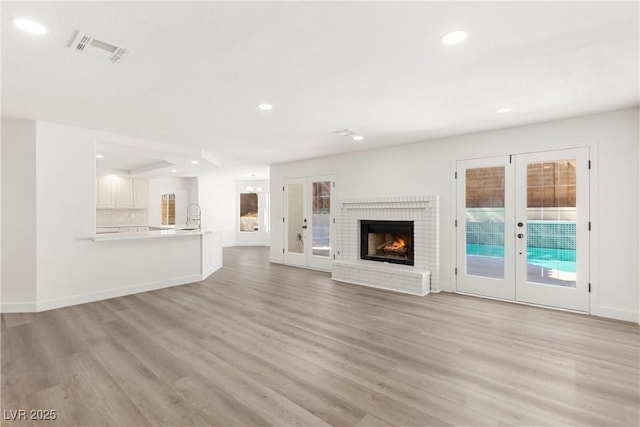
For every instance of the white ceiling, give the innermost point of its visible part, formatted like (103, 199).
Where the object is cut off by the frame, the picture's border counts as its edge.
(130, 157)
(198, 70)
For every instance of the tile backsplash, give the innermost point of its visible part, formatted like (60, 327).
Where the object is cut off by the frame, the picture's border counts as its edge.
(107, 217)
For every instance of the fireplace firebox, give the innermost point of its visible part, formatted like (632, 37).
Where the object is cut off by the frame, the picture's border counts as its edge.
(387, 241)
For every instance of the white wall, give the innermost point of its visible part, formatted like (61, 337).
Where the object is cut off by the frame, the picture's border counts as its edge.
(218, 195)
(427, 168)
(1, 125)
(65, 191)
(186, 191)
(18, 211)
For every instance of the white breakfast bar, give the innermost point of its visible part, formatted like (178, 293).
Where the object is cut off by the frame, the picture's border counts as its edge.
(145, 260)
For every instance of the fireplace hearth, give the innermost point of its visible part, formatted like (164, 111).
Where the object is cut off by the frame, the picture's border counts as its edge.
(387, 241)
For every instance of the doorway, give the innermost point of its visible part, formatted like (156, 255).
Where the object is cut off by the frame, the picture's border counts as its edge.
(523, 228)
(308, 222)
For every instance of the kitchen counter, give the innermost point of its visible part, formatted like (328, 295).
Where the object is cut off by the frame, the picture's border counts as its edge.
(152, 233)
(102, 229)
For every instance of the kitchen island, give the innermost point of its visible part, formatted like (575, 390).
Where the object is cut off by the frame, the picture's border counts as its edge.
(111, 265)
(118, 264)
(132, 262)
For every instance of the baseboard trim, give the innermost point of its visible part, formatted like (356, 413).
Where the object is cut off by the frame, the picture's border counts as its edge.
(18, 307)
(210, 271)
(97, 296)
(617, 314)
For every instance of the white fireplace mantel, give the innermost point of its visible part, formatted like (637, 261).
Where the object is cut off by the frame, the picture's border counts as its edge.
(421, 278)
(386, 204)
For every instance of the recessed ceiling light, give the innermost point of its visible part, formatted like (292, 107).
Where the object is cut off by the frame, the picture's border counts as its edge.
(454, 37)
(265, 107)
(174, 170)
(29, 26)
(358, 138)
(99, 156)
(194, 162)
(503, 110)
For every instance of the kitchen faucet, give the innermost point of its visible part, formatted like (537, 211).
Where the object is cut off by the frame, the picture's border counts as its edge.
(191, 218)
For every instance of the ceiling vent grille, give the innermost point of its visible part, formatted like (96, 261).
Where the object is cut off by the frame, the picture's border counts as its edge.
(86, 44)
(344, 132)
(82, 43)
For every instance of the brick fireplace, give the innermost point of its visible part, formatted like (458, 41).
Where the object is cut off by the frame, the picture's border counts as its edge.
(409, 246)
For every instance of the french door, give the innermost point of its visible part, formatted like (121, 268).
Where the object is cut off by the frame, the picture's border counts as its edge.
(308, 222)
(523, 228)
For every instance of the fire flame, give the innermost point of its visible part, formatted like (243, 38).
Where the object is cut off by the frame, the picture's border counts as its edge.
(397, 243)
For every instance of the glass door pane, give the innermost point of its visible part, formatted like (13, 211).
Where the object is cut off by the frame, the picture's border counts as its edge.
(484, 221)
(295, 218)
(321, 218)
(551, 222)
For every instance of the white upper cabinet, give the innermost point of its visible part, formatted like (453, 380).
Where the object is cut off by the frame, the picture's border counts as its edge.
(121, 192)
(104, 192)
(124, 193)
(140, 193)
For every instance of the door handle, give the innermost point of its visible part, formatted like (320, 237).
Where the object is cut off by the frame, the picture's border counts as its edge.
(520, 235)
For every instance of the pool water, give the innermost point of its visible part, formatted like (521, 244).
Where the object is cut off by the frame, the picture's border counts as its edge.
(555, 259)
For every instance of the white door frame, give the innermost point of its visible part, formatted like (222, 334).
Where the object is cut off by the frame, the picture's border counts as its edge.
(304, 243)
(524, 292)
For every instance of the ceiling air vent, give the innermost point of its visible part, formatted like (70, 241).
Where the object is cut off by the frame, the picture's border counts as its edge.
(344, 132)
(86, 44)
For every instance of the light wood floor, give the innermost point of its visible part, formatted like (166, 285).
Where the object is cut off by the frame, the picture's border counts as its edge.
(260, 344)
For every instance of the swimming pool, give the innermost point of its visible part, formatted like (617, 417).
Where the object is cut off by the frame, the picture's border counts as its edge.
(555, 259)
